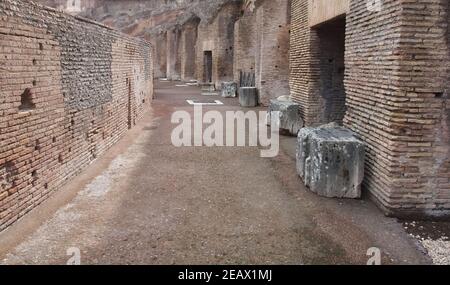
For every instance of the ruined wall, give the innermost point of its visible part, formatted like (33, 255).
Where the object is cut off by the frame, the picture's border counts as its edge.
(397, 95)
(244, 44)
(159, 47)
(70, 90)
(218, 36)
(188, 46)
(304, 80)
(397, 84)
(272, 50)
(173, 54)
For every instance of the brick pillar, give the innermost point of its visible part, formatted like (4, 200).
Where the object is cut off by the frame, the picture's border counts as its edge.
(397, 84)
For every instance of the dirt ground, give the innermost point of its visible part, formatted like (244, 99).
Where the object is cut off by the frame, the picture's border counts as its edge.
(148, 202)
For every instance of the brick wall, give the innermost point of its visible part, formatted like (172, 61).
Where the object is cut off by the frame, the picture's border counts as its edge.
(159, 45)
(70, 89)
(173, 54)
(397, 84)
(188, 44)
(397, 96)
(218, 36)
(272, 49)
(244, 44)
(304, 73)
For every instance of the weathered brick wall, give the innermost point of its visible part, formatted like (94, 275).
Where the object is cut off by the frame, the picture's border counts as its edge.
(159, 47)
(218, 37)
(244, 44)
(173, 54)
(397, 84)
(397, 96)
(188, 43)
(272, 49)
(70, 89)
(304, 72)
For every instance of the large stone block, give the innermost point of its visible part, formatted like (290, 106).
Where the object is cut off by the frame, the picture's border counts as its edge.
(248, 97)
(229, 89)
(330, 159)
(288, 111)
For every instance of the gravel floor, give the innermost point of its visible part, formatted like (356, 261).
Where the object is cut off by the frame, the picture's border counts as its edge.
(434, 237)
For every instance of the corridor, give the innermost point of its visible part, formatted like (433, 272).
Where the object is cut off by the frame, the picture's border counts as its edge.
(148, 202)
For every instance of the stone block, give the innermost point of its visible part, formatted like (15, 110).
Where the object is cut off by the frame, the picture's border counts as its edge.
(289, 113)
(208, 87)
(330, 160)
(229, 89)
(248, 97)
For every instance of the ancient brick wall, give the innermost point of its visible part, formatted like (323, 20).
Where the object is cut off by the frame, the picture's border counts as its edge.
(159, 47)
(272, 49)
(244, 44)
(396, 92)
(303, 79)
(173, 54)
(70, 89)
(188, 44)
(397, 85)
(218, 36)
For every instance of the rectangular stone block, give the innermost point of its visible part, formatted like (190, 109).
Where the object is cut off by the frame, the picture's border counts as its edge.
(248, 97)
(229, 89)
(289, 114)
(330, 160)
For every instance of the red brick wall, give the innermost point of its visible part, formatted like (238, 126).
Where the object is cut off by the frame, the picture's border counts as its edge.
(188, 44)
(159, 45)
(272, 49)
(397, 97)
(88, 85)
(174, 54)
(218, 37)
(304, 72)
(244, 44)
(397, 87)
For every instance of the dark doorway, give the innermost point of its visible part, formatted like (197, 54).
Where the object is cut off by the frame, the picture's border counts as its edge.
(331, 47)
(207, 67)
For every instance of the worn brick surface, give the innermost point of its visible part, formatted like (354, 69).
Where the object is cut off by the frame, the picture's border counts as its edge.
(86, 84)
(396, 92)
(187, 54)
(272, 52)
(218, 36)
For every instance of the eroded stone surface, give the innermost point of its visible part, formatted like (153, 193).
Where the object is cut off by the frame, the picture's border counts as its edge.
(330, 159)
(229, 89)
(248, 96)
(290, 120)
